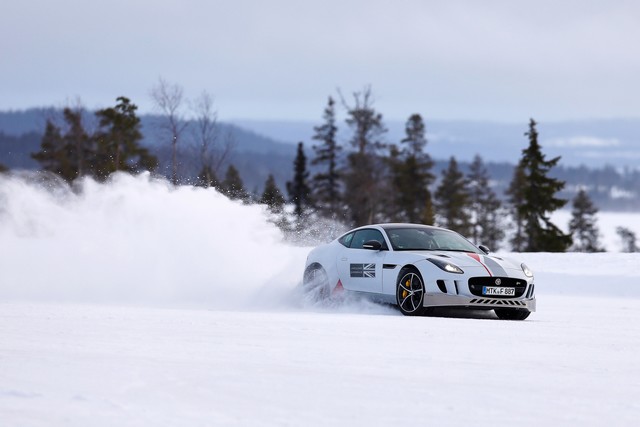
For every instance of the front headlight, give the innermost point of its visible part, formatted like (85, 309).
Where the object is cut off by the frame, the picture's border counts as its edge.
(446, 266)
(527, 271)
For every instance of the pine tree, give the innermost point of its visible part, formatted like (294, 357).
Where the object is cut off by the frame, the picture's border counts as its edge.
(118, 141)
(628, 239)
(53, 154)
(411, 175)
(516, 198)
(583, 226)
(485, 207)
(233, 187)
(275, 201)
(428, 213)
(363, 177)
(298, 188)
(452, 200)
(271, 196)
(539, 199)
(69, 154)
(79, 144)
(394, 162)
(326, 183)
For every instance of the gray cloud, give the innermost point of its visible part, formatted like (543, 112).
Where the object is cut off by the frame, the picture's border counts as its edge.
(497, 60)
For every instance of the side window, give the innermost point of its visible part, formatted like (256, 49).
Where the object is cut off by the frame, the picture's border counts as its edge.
(365, 235)
(346, 239)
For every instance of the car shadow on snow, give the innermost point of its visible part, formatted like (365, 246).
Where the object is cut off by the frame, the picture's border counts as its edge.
(460, 313)
(446, 312)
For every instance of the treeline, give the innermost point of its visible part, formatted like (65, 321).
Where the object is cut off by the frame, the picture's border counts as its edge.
(373, 181)
(366, 180)
(370, 180)
(114, 146)
(256, 156)
(77, 143)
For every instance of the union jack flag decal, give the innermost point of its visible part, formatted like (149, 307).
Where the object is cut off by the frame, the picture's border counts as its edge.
(363, 270)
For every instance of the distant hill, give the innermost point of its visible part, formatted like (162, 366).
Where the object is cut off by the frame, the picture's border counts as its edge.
(14, 150)
(16, 123)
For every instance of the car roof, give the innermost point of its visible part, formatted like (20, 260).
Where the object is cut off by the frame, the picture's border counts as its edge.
(397, 225)
(394, 225)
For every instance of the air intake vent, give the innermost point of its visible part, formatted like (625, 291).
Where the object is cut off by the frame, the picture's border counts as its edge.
(442, 286)
(484, 301)
(530, 293)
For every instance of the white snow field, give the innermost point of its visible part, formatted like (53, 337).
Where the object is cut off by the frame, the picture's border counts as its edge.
(137, 304)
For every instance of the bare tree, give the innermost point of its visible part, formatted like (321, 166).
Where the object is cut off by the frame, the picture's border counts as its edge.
(363, 178)
(169, 99)
(213, 150)
(366, 122)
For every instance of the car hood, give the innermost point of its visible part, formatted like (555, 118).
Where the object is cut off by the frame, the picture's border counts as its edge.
(468, 259)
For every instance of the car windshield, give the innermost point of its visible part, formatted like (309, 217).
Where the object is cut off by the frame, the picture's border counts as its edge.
(428, 239)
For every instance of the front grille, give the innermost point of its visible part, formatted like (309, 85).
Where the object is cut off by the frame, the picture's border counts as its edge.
(476, 284)
(485, 301)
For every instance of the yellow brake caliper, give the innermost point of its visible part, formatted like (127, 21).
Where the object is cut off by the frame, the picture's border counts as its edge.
(404, 292)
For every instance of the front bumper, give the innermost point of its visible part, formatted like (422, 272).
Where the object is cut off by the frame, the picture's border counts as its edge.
(446, 300)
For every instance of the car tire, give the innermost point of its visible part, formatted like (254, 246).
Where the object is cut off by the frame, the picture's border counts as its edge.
(410, 292)
(511, 313)
(315, 283)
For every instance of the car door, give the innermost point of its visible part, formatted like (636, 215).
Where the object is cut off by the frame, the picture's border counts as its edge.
(361, 269)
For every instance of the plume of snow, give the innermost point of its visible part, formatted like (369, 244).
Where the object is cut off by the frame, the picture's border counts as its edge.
(138, 239)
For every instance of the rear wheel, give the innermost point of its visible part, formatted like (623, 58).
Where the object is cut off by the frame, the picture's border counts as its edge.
(512, 313)
(410, 292)
(315, 283)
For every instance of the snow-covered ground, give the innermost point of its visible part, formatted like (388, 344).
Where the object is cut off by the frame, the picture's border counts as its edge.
(607, 223)
(136, 304)
(574, 363)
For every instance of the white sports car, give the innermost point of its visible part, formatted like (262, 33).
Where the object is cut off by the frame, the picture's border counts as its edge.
(417, 267)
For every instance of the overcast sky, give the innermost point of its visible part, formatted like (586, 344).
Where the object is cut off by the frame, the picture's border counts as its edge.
(280, 59)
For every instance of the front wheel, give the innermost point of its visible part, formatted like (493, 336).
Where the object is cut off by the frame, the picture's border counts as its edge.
(410, 292)
(511, 313)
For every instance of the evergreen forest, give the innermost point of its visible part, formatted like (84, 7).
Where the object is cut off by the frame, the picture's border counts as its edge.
(327, 182)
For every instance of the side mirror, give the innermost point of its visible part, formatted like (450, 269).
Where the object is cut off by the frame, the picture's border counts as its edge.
(484, 249)
(373, 245)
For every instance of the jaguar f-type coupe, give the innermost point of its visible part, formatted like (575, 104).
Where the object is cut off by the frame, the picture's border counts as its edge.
(417, 267)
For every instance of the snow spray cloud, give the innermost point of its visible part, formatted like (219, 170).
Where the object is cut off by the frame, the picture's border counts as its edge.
(137, 239)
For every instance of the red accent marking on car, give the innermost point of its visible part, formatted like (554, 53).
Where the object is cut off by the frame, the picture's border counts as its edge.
(477, 258)
(338, 289)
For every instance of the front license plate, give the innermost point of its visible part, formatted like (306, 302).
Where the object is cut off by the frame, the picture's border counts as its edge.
(491, 290)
